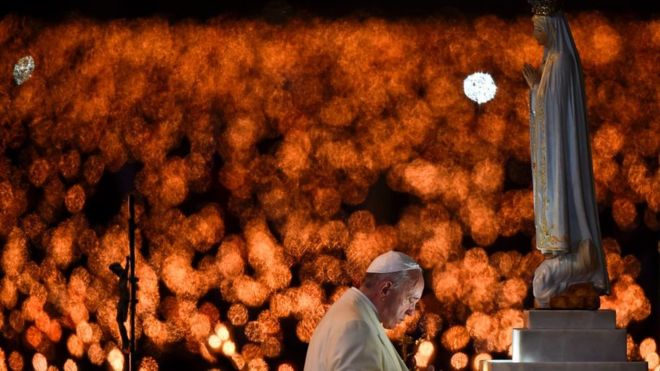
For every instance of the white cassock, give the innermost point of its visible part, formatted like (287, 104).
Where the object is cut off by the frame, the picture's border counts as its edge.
(350, 337)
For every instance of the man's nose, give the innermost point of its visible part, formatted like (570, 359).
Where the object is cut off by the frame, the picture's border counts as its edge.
(410, 311)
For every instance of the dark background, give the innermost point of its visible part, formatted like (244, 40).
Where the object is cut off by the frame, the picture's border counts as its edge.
(281, 9)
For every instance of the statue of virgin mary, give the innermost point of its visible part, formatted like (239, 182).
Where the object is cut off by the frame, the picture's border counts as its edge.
(565, 212)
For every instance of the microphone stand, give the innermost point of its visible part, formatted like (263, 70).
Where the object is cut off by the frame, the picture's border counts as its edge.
(127, 291)
(132, 363)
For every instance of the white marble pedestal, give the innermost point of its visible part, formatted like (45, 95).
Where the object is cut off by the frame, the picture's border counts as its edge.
(568, 340)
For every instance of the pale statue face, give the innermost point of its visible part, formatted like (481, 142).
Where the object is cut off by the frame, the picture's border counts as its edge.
(401, 302)
(539, 33)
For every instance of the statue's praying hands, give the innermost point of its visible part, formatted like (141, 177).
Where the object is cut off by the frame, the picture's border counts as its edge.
(531, 74)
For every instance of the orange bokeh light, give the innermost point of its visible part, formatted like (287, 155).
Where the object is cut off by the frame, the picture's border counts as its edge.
(290, 131)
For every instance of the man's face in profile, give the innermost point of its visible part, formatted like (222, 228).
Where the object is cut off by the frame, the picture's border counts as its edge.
(401, 302)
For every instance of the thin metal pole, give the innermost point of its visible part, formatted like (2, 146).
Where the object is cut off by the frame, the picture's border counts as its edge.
(131, 242)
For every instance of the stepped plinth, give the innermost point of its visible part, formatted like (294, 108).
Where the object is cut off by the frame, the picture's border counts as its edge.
(567, 340)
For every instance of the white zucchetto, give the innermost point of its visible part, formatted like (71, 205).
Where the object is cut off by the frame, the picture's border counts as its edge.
(392, 261)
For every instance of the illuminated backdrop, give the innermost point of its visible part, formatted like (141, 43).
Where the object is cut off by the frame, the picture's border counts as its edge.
(274, 161)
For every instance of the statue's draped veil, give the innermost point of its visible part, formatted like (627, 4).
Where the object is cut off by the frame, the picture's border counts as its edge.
(560, 39)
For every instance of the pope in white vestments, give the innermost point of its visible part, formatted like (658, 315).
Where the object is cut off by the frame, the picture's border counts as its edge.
(351, 335)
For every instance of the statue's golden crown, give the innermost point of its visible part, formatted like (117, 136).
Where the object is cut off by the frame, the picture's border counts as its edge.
(545, 7)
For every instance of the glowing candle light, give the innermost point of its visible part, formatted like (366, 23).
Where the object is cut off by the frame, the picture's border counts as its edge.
(257, 364)
(15, 361)
(646, 347)
(459, 361)
(424, 353)
(84, 332)
(285, 367)
(148, 364)
(238, 314)
(222, 332)
(215, 342)
(476, 362)
(33, 336)
(116, 359)
(70, 365)
(426, 348)
(455, 338)
(96, 354)
(238, 360)
(652, 359)
(39, 362)
(229, 348)
(75, 346)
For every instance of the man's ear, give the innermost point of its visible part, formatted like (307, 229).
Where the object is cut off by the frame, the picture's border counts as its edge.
(385, 288)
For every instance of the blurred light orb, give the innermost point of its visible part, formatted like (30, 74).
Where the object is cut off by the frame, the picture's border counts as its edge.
(75, 346)
(222, 332)
(215, 342)
(476, 363)
(424, 353)
(148, 364)
(459, 361)
(85, 332)
(646, 347)
(285, 367)
(23, 69)
(653, 360)
(39, 362)
(479, 87)
(229, 348)
(425, 348)
(116, 359)
(70, 365)
(15, 361)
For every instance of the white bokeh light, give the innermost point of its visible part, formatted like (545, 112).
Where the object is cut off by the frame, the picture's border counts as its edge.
(215, 342)
(222, 332)
(23, 69)
(479, 87)
(116, 359)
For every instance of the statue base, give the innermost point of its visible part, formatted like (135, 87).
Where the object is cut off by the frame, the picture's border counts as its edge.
(566, 366)
(567, 340)
(579, 296)
(572, 280)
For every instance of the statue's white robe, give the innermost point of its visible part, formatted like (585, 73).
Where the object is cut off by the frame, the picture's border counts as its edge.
(350, 337)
